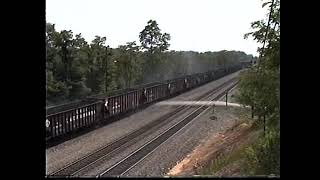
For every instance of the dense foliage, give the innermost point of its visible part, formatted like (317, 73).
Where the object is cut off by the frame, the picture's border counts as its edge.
(76, 68)
(260, 88)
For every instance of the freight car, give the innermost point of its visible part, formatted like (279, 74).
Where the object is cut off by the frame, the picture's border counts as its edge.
(98, 109)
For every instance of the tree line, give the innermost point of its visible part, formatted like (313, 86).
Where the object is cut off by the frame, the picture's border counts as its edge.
(76, 68)
(260, 88)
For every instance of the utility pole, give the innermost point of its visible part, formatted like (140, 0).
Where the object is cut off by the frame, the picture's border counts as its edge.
(264, 121)
(264, 125)
(106, 71)
(252, 109)
(227, 99)
(213, 108)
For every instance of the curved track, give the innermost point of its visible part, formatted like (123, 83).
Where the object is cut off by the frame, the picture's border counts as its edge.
(119, 145)
(134, 158)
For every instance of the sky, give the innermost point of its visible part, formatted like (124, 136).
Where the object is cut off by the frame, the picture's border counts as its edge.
(194, 25)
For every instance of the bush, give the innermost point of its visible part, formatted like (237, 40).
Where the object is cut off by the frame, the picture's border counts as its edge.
(263, 158)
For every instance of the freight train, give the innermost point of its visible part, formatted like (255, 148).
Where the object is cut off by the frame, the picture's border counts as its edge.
(96, 110)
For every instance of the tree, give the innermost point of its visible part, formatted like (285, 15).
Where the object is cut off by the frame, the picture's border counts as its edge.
(265, 88)
(152, 39)
(128, 66)
(154, 42)
(260, 88)
(97, 65)
(56, 86)
(64, 44)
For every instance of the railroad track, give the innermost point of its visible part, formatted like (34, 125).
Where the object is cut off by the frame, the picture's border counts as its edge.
(134, 158)
(99, 156)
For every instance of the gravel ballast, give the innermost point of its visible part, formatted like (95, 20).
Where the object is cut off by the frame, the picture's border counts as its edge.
(175, 149)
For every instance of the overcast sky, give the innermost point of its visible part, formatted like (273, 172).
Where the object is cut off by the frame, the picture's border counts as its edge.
(197, 25)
